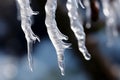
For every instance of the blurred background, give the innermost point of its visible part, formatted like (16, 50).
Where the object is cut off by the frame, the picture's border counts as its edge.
(105, 62)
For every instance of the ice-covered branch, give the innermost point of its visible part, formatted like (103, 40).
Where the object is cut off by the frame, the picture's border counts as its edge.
(55, 35)
(77, 28)
(25, 16)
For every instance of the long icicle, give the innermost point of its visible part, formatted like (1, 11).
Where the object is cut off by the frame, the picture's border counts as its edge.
(26, 14)
(77, 28)
(55, 35)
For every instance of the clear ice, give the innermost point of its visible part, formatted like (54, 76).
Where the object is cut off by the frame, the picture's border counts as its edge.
(77, 28)
(55, 35)
(25, 14)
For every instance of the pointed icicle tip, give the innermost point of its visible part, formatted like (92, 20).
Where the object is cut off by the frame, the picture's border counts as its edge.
(31, 69)
(62, 72)
(61, 66)
(87, 56)
(81, 4)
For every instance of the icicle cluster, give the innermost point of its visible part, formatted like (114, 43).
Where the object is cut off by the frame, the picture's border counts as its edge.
(77, 28)
(25, 16)
(111, 20)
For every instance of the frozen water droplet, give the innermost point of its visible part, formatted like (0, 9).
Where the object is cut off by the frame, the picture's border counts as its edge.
(87, 56)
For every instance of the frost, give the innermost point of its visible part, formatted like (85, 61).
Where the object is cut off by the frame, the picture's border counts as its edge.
(25, 14)
(55, 35)
(77, 28)
(111, 27)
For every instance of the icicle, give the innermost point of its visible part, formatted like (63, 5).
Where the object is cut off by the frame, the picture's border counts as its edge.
(77, 27)
(25, 15)
(111, 27)
(55, 35)
(88, 13)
